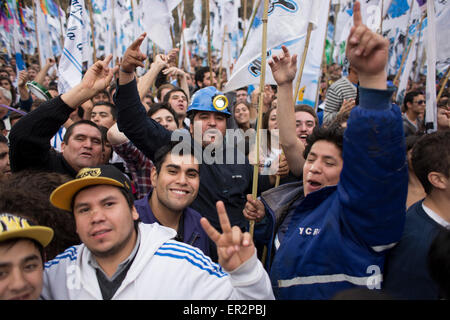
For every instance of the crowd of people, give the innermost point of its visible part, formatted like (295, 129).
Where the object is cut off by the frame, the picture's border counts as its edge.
(128, 187)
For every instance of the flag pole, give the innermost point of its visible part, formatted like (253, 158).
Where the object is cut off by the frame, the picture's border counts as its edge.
(60, 23)
(208, 26)
(250, 25)
(244, 18)
(381, 17)
(261, 98)
(91, 16)
(405, 54)
(444, 83)
(219, 83)
(36, 32)
(324, 63)
(302, 63)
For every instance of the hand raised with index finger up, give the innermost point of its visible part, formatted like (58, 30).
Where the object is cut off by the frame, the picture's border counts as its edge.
(366, 50)
(133, 57)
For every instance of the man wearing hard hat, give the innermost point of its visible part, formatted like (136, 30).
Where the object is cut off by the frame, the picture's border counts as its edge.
(228, 179)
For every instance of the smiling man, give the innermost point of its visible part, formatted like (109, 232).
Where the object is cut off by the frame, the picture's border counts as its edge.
(83, 145)
(121, 258)
(175, 180)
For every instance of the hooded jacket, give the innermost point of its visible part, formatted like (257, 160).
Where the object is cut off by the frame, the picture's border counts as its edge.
(162, 269)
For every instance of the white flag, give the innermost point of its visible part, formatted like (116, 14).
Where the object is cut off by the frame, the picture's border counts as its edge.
(287, 25)
(406, 73)
(312, 70)
(43, 34)
(442, 40)
(158, 21)
(71, 63)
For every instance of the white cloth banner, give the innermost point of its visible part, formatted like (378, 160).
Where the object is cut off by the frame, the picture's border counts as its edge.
(158, 21)
(287, 25)
(406, 73)
(43, 34)
(443, 40)
(71, 63)
(312, 70)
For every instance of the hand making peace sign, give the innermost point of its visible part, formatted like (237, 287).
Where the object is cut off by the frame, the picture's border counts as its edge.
(233, 246)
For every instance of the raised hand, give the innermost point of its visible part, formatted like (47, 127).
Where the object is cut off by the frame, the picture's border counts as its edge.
(99, 75)
(347, 106)
(284, 67)
(50, 62)
(172, 56)
(133, 57)
(233, 246)
(366, 50)
(254, 209)
(173, 71)
(23, 78)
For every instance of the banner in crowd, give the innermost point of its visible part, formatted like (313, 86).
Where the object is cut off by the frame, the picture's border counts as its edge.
(287, 25)
(312, 70)
(71, 63)
(158, 21)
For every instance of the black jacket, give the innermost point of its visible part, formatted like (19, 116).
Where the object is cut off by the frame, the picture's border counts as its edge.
(30, 139)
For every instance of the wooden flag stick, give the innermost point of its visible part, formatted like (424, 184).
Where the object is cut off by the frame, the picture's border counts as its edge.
(302, 63)
(380, 31)
(261, 97)
(208, 28)
(250, 25)
(444, 83)
(91, 16)
(58, 2)
(406, 53)
(36, 32)
(244, 18)
(219, 83)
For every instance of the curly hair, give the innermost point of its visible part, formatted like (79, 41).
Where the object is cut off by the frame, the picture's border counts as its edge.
(27, 193)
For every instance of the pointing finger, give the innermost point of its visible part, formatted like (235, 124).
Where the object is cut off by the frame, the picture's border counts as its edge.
(137, 43)
(357, 18)
(108, 59)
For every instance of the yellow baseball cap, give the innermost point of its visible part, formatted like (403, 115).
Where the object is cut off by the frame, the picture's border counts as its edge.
(12, 227)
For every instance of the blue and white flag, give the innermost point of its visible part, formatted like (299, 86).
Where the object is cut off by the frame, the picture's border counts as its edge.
(287, 25)
(312, 69)
(71, 63)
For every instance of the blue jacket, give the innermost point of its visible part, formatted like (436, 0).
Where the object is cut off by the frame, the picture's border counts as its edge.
(407, 275)
(337, 237)
(193, 233)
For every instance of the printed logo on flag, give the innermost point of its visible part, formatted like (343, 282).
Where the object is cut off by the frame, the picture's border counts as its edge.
(287, 5)
(255, 66)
